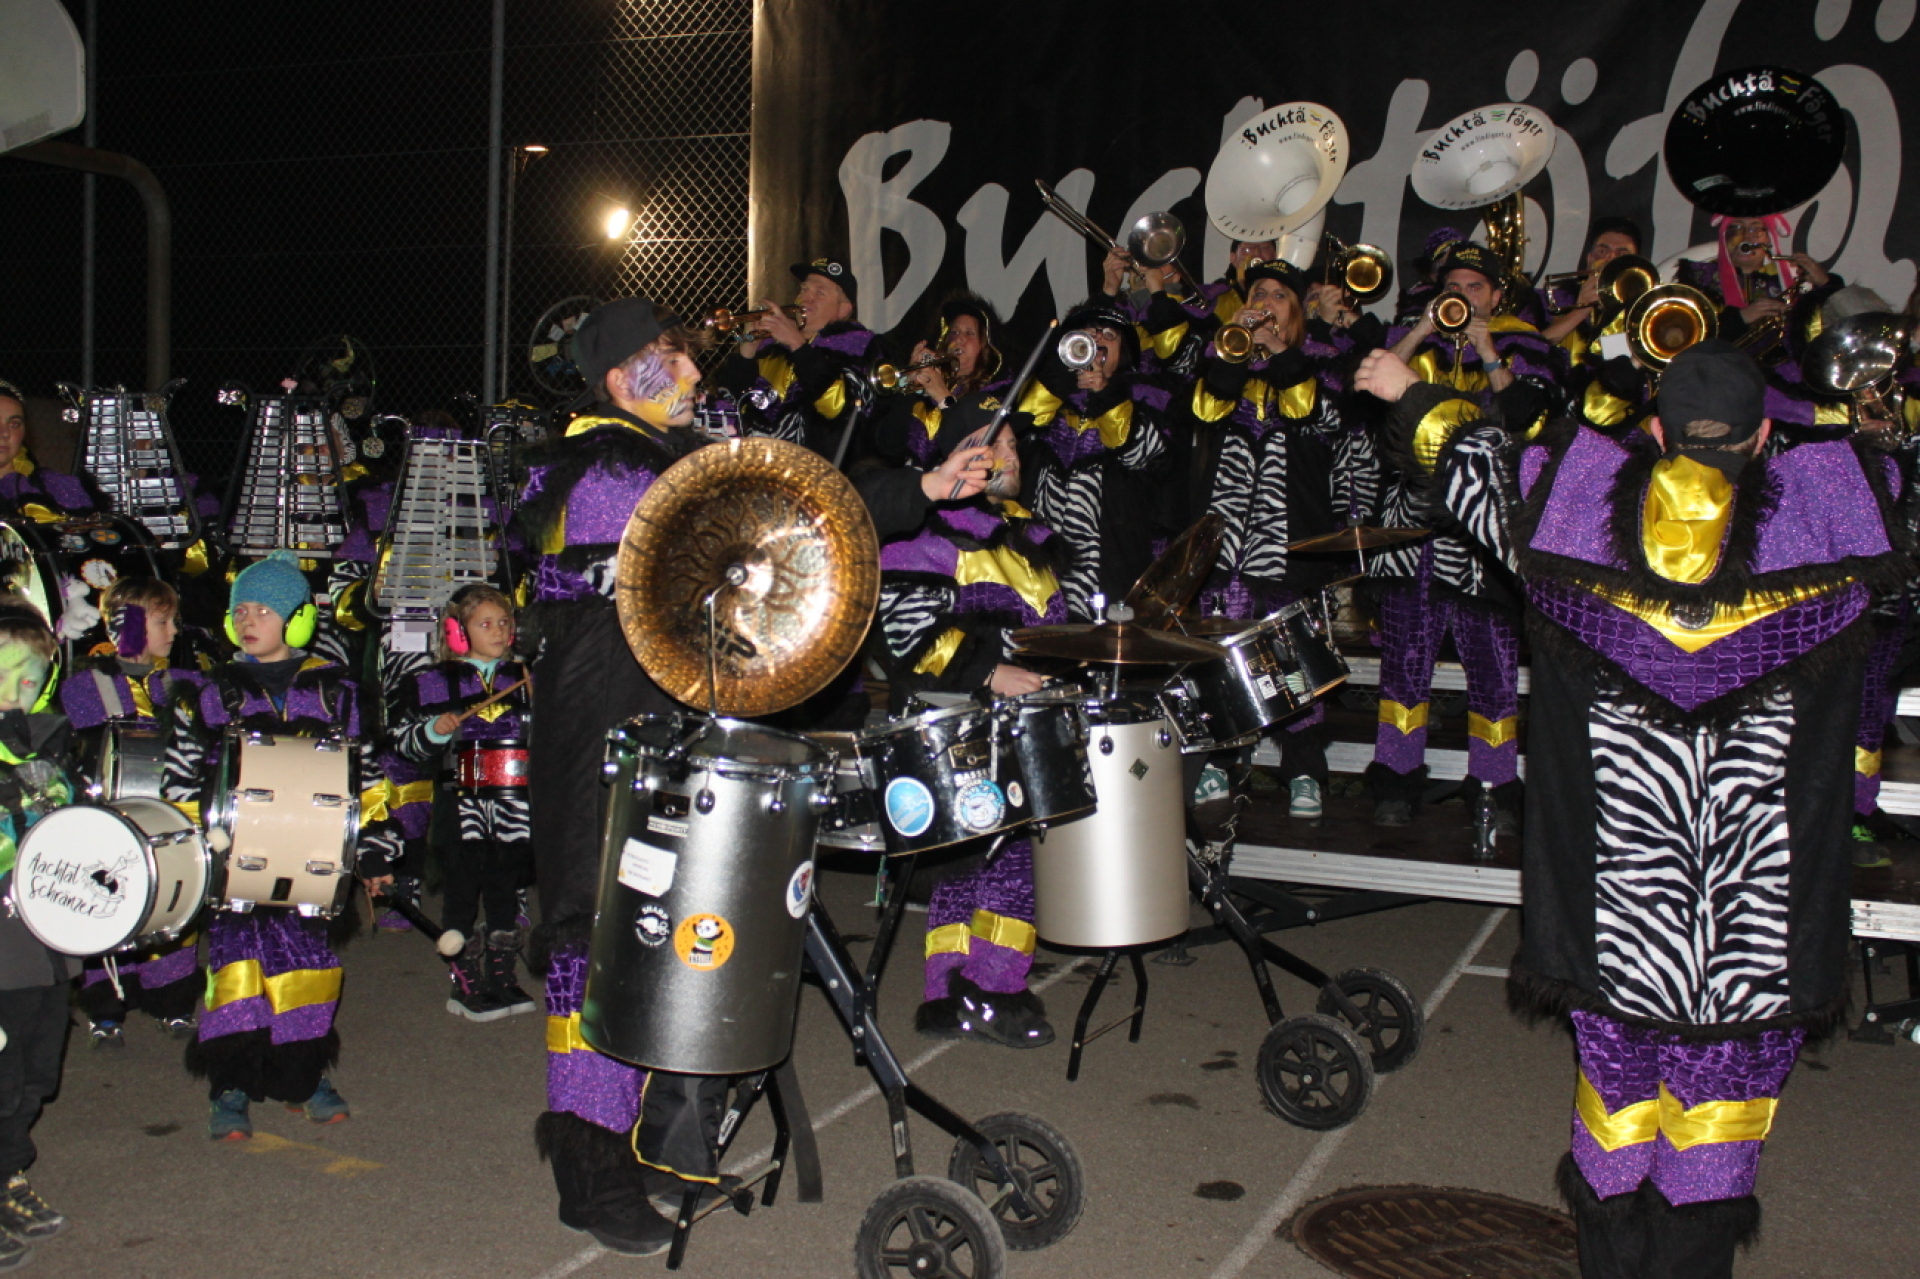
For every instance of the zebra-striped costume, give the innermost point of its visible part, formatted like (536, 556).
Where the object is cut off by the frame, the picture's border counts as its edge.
(1686, 892)
(802, 396)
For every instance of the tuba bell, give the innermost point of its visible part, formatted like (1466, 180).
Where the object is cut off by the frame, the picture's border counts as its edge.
(1361, 269)
(1276, 171)
(1623, 281)
(1666, 320)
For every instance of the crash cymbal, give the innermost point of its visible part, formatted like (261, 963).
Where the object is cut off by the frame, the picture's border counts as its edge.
(783, 543)
(1214, 627)
(1360, 538)
(1755, 141)
(1171, 580)
(1114, 644)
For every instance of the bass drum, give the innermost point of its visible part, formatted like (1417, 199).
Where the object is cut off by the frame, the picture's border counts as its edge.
(96, 878)
(65, 567)
(290, 810)
(705, 884)
(1118, 877)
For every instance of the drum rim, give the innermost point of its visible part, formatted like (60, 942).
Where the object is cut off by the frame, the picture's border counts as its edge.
(826, 759)
(931, 716)
(140, 839)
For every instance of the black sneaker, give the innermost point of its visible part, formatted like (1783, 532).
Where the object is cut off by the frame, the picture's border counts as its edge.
(105, 1034)
(1393, 812)
(14, 1251)
(939, 1018)
(471, 994)
(1016, 1020)
(24, 1213)
(633, 1229)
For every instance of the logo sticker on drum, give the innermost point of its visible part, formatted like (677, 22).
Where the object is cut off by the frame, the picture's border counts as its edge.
(704, 942)
(1268, 689)
(981, 806)
(1139, 769)
(909, 806)
(652, 925)
(1016, 795)
(800, 890)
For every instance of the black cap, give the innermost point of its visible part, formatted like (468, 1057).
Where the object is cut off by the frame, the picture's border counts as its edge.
(1711, 381)
(1282, 270)
(612, 334)
(832, 269)
(1469, 256)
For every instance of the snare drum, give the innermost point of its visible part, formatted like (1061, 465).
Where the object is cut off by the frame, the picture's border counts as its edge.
(705, 885)
(944, 778)
(1047, 733)
(1118, 877)
(95, 878)
(491, 766)
(1275, 667)
(1311, 638)
(290, 808)
(133, 761)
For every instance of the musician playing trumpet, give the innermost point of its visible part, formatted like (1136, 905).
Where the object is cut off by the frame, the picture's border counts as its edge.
(1576, 323)
(792, 375)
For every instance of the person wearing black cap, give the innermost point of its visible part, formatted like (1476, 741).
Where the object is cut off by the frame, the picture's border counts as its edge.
(580, 492)
(1266, 450)
(1444, 584)
(1698, 611)
(1173, 331)
(1094, 439)
(792, 375)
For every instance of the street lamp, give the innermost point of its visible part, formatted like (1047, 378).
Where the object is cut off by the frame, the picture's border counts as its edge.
(523, 155)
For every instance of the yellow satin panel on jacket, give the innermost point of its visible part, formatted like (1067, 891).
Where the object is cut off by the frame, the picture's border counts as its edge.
(1602, 408)
(1827, 413)
(1114, 425)
(929, 417)
(1494, 732)
(1437, 427)
(1004, 930)
(1007, 567)
(1165, 343)
(833, 400)
(1039, 403)
(301, 988)
(1866, 762)
(1404, 718)
(949, 939)
(1685, 519)
(1627, 1126)
(378, 801)
(563, 1035)
(1209, 407)
(778, 371)
(934, 660)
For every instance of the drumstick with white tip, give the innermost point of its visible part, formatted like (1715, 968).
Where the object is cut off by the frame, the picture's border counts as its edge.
(479, 706)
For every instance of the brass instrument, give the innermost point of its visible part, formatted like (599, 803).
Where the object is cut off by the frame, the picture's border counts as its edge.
(1276, 171)
(1361, 269)
(1860, 357)
(722, 322)
(1506, 220)
(1153, 241)
(1666, 320)
(1078, 350)
(1766, 333)
(1234, 342)
(890, 377)
(1623, 281)
(1450, 313)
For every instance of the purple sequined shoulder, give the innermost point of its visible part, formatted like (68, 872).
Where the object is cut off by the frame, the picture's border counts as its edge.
(1826, 510)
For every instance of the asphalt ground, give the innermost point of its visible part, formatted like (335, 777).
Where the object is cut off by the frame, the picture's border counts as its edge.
(1186, 1172)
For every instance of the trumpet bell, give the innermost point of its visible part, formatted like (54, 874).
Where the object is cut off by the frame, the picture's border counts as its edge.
(1666, 320)
(1077, 350)
(1234, 343)
(1450, 312)
(1156, 239)
(1754, 141)
(1625, 279)
(1276, 171)
(1364, 271)
(1484, 156)
(1858, 353)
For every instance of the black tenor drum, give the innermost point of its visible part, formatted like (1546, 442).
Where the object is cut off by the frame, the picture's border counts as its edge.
(1230, 701)
(65, 567)
(1311, 638)
(705, 884)
(944, 778)
(1118, 877)
(1047, 733)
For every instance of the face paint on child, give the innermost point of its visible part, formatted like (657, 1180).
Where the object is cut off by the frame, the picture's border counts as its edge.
(672, 404)
(23, 676)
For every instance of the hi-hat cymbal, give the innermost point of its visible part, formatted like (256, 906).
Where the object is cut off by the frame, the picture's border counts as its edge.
(1114, 644)
(1485, 155)
(1171, 580)
(1358, 539)
(1755, 141)
(784, 545)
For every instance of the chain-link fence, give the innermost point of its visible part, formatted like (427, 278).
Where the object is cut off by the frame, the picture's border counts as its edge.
(327, 166)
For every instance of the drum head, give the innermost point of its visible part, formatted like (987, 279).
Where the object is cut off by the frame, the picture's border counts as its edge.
(703, 742)
(85, 880)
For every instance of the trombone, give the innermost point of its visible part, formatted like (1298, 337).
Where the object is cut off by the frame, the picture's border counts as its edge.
(723, 322)
(1361, 269)
(1153, 241)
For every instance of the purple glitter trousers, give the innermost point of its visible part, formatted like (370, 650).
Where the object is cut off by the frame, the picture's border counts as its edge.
(165, 982)
(1413, 621)
(1705, 1108)
(1877, 696)
(1000, 889)
(599, 1089)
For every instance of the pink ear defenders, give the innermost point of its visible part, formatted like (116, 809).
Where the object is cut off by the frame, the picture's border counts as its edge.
(456, 634)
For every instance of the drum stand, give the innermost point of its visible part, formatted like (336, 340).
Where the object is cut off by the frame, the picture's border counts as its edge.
(1138, 1015)
(1025, 1172)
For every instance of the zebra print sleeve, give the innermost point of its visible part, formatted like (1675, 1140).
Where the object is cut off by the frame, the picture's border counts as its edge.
(184, 775)
(1356, 476)
(1477, 488)
(911, 617)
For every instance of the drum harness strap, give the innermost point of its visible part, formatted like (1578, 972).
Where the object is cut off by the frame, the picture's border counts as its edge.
(109, 695)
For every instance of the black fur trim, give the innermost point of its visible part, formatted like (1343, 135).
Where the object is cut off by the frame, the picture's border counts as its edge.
(564, 462)
(563, 1137)
(1583, 1203)
(1736, 1220)
(1535, 998)
(572, 932)
(1385, 784)
(293, 1070)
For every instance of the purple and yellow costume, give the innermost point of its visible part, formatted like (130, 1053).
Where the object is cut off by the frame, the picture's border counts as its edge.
(1696, 687)
(802, 396)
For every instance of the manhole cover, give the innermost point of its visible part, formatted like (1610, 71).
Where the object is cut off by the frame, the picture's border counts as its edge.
(1418, 1232)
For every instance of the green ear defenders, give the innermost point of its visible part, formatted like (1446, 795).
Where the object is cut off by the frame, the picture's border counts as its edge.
(300, 627)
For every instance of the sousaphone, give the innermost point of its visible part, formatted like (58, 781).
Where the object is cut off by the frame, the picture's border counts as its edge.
(1754, 141)
(1276, 171)
(1484, 156)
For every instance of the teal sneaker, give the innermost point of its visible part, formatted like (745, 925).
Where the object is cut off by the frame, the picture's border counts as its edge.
(325, 1106)
(1213, 785)
(229, 1120)
(1303, 798)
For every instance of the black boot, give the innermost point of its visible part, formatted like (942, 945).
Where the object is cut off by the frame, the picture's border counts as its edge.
(1396, 796)
(1612, 1233)
(602, 1190)
(472, 995)
(502, 949)
(1697, 1240)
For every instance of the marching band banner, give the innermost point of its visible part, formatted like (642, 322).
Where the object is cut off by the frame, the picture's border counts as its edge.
(909, 137)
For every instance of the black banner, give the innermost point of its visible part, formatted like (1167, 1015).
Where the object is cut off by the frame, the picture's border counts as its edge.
(909, 137)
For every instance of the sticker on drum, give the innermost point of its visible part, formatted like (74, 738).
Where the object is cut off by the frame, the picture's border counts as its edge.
(980, 806)
(704, 942)
(909, 806)
(646, 869)
(652, 925)
(1016, 795)
(800, 890)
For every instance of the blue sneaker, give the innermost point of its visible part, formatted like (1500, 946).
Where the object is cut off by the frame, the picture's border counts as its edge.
(229, 1121)
(325, 1106)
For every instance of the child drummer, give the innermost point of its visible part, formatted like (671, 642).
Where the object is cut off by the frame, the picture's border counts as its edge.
(128, 681)
(476, 701)
(267, 1031)
(33, 979)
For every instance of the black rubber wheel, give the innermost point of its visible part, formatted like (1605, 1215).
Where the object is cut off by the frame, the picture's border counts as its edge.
(1394, 1025)
(1044, 1167)
(926, 1228)
(1314, 1072)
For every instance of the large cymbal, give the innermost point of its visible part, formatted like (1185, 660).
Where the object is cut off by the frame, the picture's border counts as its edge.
(1755, 141)
(1115, 644)
(1485, 155)
(785, 540)
(1171, 580)
(1359, 538)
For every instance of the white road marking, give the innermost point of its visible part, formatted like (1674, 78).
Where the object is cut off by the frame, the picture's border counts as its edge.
(1329, 1145)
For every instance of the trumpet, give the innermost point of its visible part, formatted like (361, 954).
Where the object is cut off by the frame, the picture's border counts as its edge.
(723, 322)
(1078, 350)
(1748, 246)
(1666, 320)
(1234, 342)
(1450, 313)
(1360, 269)
(889, 377)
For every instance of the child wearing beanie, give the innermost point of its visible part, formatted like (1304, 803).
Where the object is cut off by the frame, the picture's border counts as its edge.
(267, 1030)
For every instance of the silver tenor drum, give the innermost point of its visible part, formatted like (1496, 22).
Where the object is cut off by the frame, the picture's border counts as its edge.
(133, 760)
(95, 878)
(852, 820)
(705, 884)
(1228, 702)
(1118, 877)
